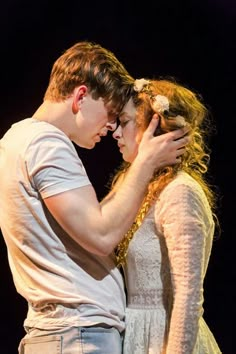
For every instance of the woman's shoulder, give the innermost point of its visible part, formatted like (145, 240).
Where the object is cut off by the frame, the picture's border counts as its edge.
(183, 187)
(182, 179)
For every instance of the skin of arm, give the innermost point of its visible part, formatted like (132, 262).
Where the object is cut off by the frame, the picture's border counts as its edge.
(100, 227)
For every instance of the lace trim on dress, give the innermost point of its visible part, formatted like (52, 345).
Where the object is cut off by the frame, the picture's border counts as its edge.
(145, 300)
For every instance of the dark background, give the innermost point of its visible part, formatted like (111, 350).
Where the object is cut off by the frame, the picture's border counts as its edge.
(191, 40)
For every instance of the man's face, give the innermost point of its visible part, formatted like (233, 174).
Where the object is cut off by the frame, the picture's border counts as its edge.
(93, 121)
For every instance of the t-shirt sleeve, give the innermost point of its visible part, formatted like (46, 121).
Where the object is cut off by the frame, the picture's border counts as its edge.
(53, 165)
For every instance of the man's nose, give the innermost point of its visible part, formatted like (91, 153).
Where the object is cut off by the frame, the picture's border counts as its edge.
(111, 126)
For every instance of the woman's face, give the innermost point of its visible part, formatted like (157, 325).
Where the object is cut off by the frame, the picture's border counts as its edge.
(127, 132)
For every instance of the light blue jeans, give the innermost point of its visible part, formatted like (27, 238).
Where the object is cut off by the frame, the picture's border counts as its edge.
(72, 340)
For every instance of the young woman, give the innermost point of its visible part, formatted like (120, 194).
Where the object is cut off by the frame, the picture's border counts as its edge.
(166, 252)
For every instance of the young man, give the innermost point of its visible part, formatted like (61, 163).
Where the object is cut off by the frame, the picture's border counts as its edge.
(59, 238)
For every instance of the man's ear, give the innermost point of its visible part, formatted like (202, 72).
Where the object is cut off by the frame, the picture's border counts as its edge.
(79, 93)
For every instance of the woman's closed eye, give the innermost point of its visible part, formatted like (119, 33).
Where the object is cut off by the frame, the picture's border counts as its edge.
(124, 122)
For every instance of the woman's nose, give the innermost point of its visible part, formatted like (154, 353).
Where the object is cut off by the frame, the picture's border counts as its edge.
(117, 133)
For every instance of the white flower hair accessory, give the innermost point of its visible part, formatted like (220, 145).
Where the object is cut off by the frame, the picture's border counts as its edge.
(160, 104)
(139, 84)
(180, 121)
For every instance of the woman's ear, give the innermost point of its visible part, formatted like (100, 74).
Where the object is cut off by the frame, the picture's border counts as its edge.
(78, 95)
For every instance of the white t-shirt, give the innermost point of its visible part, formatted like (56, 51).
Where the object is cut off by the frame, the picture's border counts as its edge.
(63, 284)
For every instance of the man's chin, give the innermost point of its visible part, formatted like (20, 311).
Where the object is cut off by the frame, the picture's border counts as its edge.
(90, 147)
(87, 145)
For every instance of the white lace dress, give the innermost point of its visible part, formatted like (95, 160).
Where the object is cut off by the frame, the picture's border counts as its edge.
(166, 264)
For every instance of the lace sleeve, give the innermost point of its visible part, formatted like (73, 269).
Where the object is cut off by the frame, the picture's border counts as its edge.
(186, 222)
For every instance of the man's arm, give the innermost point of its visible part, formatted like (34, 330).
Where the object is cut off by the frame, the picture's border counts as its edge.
(99, 228)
